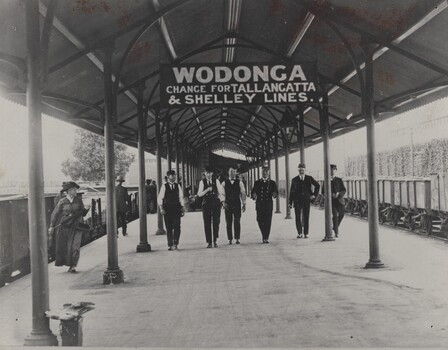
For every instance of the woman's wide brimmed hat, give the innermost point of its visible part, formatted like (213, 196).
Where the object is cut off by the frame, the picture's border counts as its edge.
(68, 185)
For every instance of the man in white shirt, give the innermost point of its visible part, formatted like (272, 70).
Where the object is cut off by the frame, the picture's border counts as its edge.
(234, 204)
(171, 203)
(212, 195)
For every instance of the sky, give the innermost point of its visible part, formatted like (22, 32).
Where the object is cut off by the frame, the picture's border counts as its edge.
(422, 124)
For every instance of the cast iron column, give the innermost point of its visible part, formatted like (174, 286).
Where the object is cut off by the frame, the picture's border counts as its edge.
(41, 334)
(183, 168)
(160, 230)
(168, 142)
(302, 137)
(325, 132)
(143, 246)
(372, 185)
(277, 200)
(113, 274)
(288, 209)
(268, 153)
(177, 158)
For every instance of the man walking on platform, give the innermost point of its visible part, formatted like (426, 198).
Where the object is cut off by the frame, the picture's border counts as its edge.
(263, 191)
(234, 204)
(301, 196)
(171, 204)
(213, 195)
(337, 199)
(122, 199)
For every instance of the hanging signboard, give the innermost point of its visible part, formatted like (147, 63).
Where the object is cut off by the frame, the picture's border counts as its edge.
(193, 85)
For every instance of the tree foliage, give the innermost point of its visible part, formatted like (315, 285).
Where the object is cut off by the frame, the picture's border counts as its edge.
(88, 163)
(427, 158)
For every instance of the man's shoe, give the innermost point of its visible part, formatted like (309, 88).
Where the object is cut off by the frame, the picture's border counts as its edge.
(306, 236)
(170, 248)
(267, 242)
(124, 234)
(237, 241)
(216, 245)
(299, 235)
(264, 241)
(209, 245)
(230, 242)
(175, 247)
(336, 234)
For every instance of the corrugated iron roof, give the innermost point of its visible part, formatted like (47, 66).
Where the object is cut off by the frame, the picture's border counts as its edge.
(412, 58)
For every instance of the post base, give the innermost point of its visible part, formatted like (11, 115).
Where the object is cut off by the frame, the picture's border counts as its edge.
(143, 247)
(374, 265)
(113, 276)
(41, 339)
(278, 212)
(328, 239)
(160, 232)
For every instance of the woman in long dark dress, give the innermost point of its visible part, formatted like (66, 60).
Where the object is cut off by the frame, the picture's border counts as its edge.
(65, 222)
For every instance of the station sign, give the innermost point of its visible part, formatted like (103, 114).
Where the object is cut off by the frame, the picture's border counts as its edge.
(193, 85)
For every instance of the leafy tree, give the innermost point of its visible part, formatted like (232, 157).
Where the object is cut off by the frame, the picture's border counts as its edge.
(88, 163)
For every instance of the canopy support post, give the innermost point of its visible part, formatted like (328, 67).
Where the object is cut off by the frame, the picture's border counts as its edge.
(277, 179)
(160, 229)
(372, 185)
(41, 334)
(143, 246)
(325, 132)
(113, 274)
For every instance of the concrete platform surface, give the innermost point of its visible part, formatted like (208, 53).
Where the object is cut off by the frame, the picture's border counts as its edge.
(290, 293)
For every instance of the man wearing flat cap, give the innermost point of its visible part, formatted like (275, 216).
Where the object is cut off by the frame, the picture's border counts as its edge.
(337, 199)
(122, 199)
(171, 204)
(263, 191)
(303, 191)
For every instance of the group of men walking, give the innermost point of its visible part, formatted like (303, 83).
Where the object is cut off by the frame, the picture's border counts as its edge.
(231, 195)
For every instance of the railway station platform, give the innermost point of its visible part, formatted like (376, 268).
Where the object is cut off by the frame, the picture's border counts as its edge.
(290, 293)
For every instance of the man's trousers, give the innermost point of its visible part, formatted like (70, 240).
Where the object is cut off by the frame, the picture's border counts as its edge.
(172, 224)
(211, 215)
(264, 218)
(233, 215)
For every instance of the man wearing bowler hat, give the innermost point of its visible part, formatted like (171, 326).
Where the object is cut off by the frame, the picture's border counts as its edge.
(301, 196)
(337, 199)
(171, 204)
(122, 200)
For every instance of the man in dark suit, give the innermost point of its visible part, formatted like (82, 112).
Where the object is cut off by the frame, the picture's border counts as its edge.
(122, 199)
(264, 190)
(337, 199)
(234, 204)
(171, 204)
(301, 196)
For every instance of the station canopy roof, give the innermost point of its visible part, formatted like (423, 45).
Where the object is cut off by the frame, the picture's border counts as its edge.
(410, 61)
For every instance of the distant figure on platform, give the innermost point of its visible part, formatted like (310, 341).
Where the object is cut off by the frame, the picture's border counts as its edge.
(122, 199)
(212, 193)
(153, 197)
(263, 191)
(301, 196)
(148, 193)
(337, 199)
(243, 180)
(171, 204)
(234, 204)
(66, 223)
